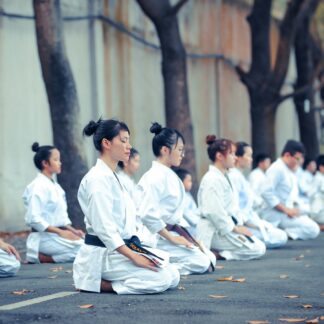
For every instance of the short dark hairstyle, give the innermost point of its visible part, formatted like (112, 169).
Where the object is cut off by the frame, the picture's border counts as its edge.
(181, 173)
(164, 136)
(292, 147)
(133, 152)
(260, 158)
(240, 148)
(320, 161)
(101, 129)
(221, 145)
(307, 162)
(43, 153)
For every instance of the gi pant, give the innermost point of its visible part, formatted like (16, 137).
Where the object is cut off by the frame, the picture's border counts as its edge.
(9, 265)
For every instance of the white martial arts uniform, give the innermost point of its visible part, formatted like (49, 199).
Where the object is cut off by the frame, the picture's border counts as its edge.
(127, 182)
(46, 206)
(281, 187)
(257, 178)
(110, 215)
(162, 203)
(191, 213)
(273, 237)
(316, 197)
(9, 265)
(217, 203)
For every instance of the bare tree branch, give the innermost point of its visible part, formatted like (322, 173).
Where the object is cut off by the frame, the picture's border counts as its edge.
(174, 10)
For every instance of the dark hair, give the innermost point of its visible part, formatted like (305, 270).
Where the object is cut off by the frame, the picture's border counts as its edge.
(43, 153)
(307, 162)
(133, 152)
(164, 136)
(260, 158)
(101, 129)
(240, 148)
(181, 173)
(292, 147)
(320, 161)
(221, 145)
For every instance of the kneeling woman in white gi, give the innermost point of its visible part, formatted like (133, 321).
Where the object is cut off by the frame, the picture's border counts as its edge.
(53, 239)
(105, 263)
(9, 260)
(221, 227)
(162, 202)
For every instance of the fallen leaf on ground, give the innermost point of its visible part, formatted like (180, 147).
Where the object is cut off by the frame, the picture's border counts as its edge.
(283, 276)
(307, 306)
(292, 320)
(181, 288)
(225, 279)
(312, 321)
(291, 296)
(239, 280)
(86, 306)
(68, 271)
(52, 277)
(219, 267)
(258, 322)
(21, 292)
(321, 318)
(56, 269)
(217, 296)
(300, 257)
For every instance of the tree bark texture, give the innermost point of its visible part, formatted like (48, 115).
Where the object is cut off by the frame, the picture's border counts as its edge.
(63, 101)
(263, 81)
(305, 76)
(174, 72)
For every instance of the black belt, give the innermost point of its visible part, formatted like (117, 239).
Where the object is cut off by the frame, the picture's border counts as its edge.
(60, 227)
(133, 243)
(247, 237)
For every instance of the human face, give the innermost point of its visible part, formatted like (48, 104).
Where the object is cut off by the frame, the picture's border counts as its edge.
(176, 154)
(187, 182)
(133, 164)
(264, 165)
(311, 167)
(245, 161)
(229, 159)
(293, 161)
(119, 147)
(53, 165)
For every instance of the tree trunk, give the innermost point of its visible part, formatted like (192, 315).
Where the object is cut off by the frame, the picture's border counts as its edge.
(174, 71)
(263, 82)
(63, 101)
(305, 76)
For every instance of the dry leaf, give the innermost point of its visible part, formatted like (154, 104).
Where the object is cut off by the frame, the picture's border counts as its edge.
(68, 271)
(300, 257)
(258, 322)
(293, 320)
(56, 269)
(181, 288)
(217, 296)
(219, 267)
(52, 277)
(291, 296)
(312, 321)
(321, 318)
(307, 306)
(21, 292)
(225, 279)
(239, 280)
(86, 306)
(283, 276)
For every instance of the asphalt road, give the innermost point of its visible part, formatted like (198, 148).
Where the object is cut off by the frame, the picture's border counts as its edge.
(295, 270)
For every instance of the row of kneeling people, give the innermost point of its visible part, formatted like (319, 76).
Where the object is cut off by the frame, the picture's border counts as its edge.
(140, 239)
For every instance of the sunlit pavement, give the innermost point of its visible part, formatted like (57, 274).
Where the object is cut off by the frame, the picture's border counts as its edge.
(285, 284)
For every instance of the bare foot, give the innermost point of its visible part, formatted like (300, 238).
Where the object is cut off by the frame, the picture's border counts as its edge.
(43, 258)
(106, 286)
(321, 227)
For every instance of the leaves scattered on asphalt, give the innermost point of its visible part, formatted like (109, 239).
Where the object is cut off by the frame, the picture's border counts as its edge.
(231, 279)
(69, 271)
(217, 296)
(22, 292)
(313, 321)
(219, 267)
(293, 320)
(258, 322)
(87, 306)
(283, 276)
(181, 288)
(307, 306)
(291, 296)
(52, 277)
(239, 280)
(56, 269)
(300, 257)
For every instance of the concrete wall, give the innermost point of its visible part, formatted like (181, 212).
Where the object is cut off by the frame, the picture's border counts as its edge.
(119, 77)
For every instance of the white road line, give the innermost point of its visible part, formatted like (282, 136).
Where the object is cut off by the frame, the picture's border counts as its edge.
(37, 300)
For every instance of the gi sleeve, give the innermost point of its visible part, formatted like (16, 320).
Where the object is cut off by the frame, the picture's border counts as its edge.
(273, 178)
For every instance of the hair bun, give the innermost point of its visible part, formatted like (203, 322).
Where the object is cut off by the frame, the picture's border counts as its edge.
(35, 147)
(91, 128)
(210, 139)
(156, 128)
